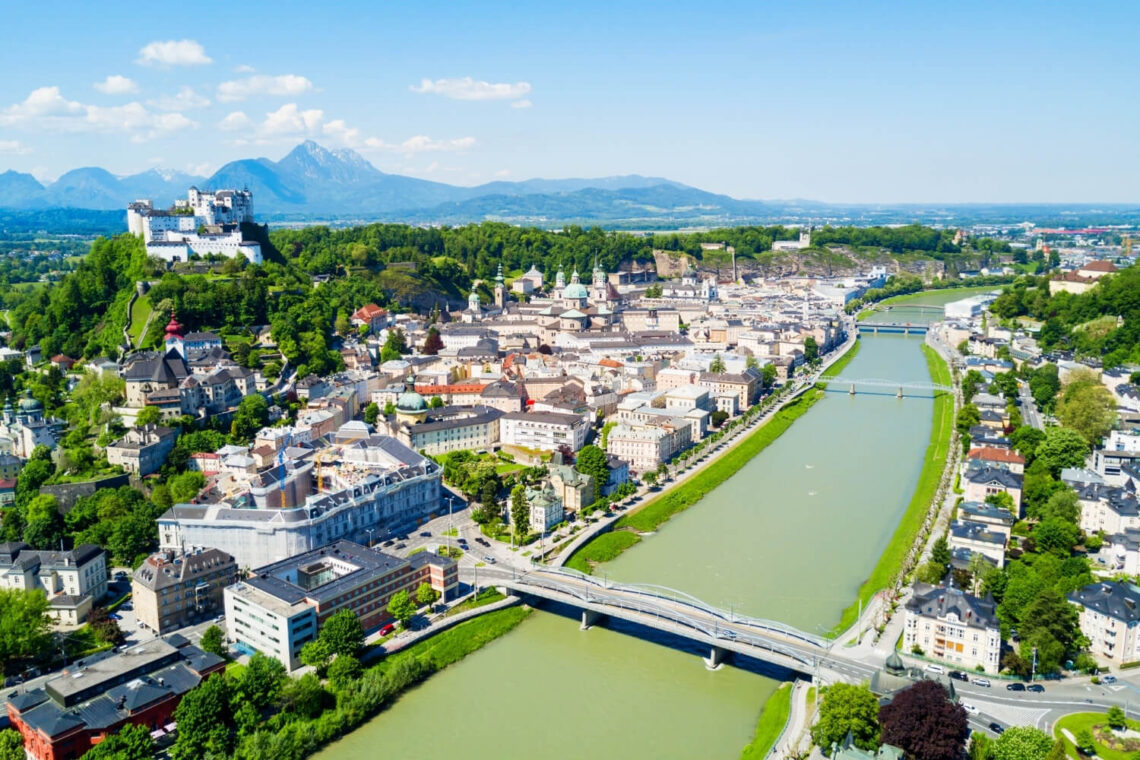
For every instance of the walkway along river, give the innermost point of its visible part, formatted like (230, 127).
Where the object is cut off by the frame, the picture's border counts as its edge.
(791, 536)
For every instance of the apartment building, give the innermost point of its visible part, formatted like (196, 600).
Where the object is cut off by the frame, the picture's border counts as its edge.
(951, 625)
(73, 580)
(174, 589)
(545, 431)
(1110, 620)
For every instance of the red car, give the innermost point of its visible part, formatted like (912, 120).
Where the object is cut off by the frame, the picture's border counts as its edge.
(387, 629)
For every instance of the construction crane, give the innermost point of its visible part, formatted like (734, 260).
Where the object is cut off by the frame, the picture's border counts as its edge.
(320, 470)
(1126, 243)
(281, 467)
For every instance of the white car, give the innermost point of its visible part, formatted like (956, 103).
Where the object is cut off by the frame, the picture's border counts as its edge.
(970, 709)
(935, 669)
(980, 682)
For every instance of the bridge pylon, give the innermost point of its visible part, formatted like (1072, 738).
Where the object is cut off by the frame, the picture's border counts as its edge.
(900, 393)
(715, 659)
(852, 391)
(590, 619)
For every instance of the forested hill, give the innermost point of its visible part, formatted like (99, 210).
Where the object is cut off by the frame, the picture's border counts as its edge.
(397, 266)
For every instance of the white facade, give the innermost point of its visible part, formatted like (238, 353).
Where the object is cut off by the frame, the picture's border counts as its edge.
(949, 625)
(545, 431)
(265, 623)
(173, 235)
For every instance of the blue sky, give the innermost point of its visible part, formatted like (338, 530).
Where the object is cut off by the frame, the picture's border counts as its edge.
(858, 101)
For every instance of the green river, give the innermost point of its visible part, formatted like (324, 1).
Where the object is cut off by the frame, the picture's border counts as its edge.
(791, 536)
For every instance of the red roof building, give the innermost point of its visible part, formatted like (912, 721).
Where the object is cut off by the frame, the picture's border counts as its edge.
(371, 315)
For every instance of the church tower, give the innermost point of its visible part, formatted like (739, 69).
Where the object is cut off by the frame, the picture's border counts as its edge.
(500, 289)
(174, 336)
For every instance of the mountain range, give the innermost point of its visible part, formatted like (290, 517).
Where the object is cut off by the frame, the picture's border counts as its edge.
(313, 183)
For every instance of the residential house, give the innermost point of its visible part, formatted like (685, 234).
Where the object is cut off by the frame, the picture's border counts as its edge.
(1110, 620)
(950, 625)
(174, 589)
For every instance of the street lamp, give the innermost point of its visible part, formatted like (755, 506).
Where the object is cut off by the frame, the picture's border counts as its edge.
(369, 531)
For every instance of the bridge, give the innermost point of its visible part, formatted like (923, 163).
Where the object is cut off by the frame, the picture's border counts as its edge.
(877, 382)
(905, 328)
(673, 612)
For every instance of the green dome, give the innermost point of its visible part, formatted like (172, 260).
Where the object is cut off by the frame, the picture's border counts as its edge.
(575, 290)
(29, 404)
(410, 401)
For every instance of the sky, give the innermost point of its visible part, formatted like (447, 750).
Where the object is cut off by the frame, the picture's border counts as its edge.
(861, 102)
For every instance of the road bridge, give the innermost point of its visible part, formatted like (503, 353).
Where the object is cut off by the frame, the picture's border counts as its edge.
(904, 328)
(671, 611)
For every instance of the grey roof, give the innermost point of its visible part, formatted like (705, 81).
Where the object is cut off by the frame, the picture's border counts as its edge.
(938, 602)
(972, 531)
(161, 570)
(169, 368)
(985, 512)
(997, 475)
(1120, 601)
(452, 417)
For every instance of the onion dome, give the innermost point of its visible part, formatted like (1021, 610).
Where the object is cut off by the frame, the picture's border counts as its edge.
(173, 329)
(29, 404)
(410, 401)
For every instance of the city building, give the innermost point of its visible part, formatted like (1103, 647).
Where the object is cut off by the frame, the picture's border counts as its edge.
(1110, 620)
(949, 624)
(544, 431)
(280, 607)
(646, 445)
(367, 488)
(205, 223)
(77, 709)
(448, 428)
(142, 450)
(72, 580)
(24, 427)
(172, 589)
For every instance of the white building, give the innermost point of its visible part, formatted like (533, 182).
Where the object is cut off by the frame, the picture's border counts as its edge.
(949, 624)
(205, 223)
(545, 431)
(73, 580)
(1110, 620)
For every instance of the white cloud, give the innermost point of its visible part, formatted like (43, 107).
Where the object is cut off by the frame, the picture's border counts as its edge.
(503, 173)
(185, 100)
(46, 109)
(341, 133)
(116, 85)
(467, 88)
(234, 122)
(290, 120)
(244, 69)
(524, 103)
(200, 170)
(261, 84)
(14, 146)
(420, 144)
(173, 53)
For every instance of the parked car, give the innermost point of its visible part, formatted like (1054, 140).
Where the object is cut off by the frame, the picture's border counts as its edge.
(970, 709)
(935, 669)
(387, 629)
(489, 559)
(985, 682)
(1015, 686)
(120, 576)
(401, 545)
(1108, 679)
(997, 728)
(958, 675)
(1036, 688)
(425, 534)
(389, 542)
(115, 616)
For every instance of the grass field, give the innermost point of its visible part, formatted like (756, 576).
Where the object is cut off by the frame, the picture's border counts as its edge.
(140, 311)
(1076, 722)
(835, 369)
(655, 512)
(454, 644)
(933, 464)
(772, 721)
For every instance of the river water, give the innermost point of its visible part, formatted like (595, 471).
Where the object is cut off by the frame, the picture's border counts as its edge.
(790, 537)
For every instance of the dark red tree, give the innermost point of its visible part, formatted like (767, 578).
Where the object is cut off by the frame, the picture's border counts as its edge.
(432, 343)
(922, 721)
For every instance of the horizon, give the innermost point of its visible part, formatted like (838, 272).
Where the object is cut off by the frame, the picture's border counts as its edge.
(884, 104)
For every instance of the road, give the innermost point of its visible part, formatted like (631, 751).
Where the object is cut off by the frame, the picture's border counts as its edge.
(1029, 412)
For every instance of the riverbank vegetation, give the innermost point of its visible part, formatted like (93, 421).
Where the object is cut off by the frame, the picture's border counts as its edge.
(656, 512)
(893, 559)
(261, 712)
(841, 364)
(771, 724)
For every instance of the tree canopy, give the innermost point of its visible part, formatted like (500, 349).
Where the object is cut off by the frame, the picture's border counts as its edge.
(846, 707)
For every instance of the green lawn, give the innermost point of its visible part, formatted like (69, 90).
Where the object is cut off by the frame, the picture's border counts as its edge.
(652, 514)
(933, 463)
(486, 596)
(140, 311)
(841, 365)
(1076, 722)
(454, 644)
(772, 721)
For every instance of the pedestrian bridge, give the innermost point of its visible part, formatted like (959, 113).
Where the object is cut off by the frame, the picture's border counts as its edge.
(904, 328)
(894, 385)
(670, 611)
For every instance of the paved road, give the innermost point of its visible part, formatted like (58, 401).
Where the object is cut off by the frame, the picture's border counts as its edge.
(1029, 412)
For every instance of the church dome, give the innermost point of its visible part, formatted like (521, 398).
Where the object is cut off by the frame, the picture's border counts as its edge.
(29, 404)
(173, 329)
(575, 290)
(410, 401)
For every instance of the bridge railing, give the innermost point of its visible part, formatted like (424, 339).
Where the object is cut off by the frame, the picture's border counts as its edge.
(677, 597)
(878, 382)
(705, 626)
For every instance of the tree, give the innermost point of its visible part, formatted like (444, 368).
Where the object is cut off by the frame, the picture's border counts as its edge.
(592, 461)
(303, 697)
(1044, 383)
(131, 742)
(1056, 535)
(425, 594)
(940, 553)
(1062, 447)
(1058, 751)
(432, 343)
(395, 345)
(847, 708)
(343, 671)
(811, 349)
(923, 721)
(1116, 717)
(717, 366)
(1022, 743)
(185, 487)
(259, 684)
(389, 409)
(213, 641)
(343, 633)
(148, 415)
(981, 747)
(751, 362)
(718, 417)
(43, 526)
(1085, 742)
(371, 413)
(435, 403)
(1089, 408)
(401, 607)
(650, 478)
(520, 511)
(1025, 440)
(106, 629)
(12, 745)
(252, 415)
(968, 417)
(205, 721)
(1062, 505)
(316, 654)
(768, 375)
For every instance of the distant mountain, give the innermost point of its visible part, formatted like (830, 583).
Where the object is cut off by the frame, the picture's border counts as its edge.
(310, 181)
